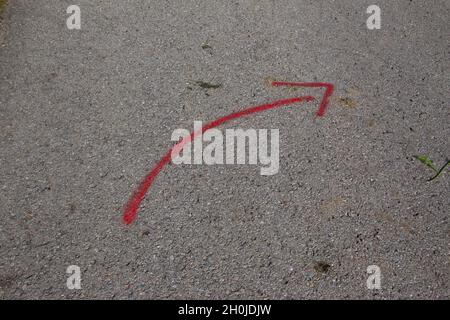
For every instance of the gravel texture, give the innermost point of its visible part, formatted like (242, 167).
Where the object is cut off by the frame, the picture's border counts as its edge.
(84, 114)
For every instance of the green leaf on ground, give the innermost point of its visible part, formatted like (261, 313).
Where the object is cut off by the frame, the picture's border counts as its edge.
(2, 4)
(207, 85)
(426, 161)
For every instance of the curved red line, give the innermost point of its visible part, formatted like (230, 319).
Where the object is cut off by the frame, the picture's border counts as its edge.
(138, 195)
(328, 92)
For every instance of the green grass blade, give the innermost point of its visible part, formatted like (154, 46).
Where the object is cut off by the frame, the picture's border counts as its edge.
(426, 161)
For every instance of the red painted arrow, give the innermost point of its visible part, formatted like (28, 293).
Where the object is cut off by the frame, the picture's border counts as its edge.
(132, 206)
(328, 92)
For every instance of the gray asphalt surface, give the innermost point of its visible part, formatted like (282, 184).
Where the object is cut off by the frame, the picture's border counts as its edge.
(85, 114)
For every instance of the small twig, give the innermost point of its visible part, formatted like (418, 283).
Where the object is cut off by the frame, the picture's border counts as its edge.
(440, 171)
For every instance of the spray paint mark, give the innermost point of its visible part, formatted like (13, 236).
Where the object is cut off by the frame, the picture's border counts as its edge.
(328, 92)
(132, 206)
